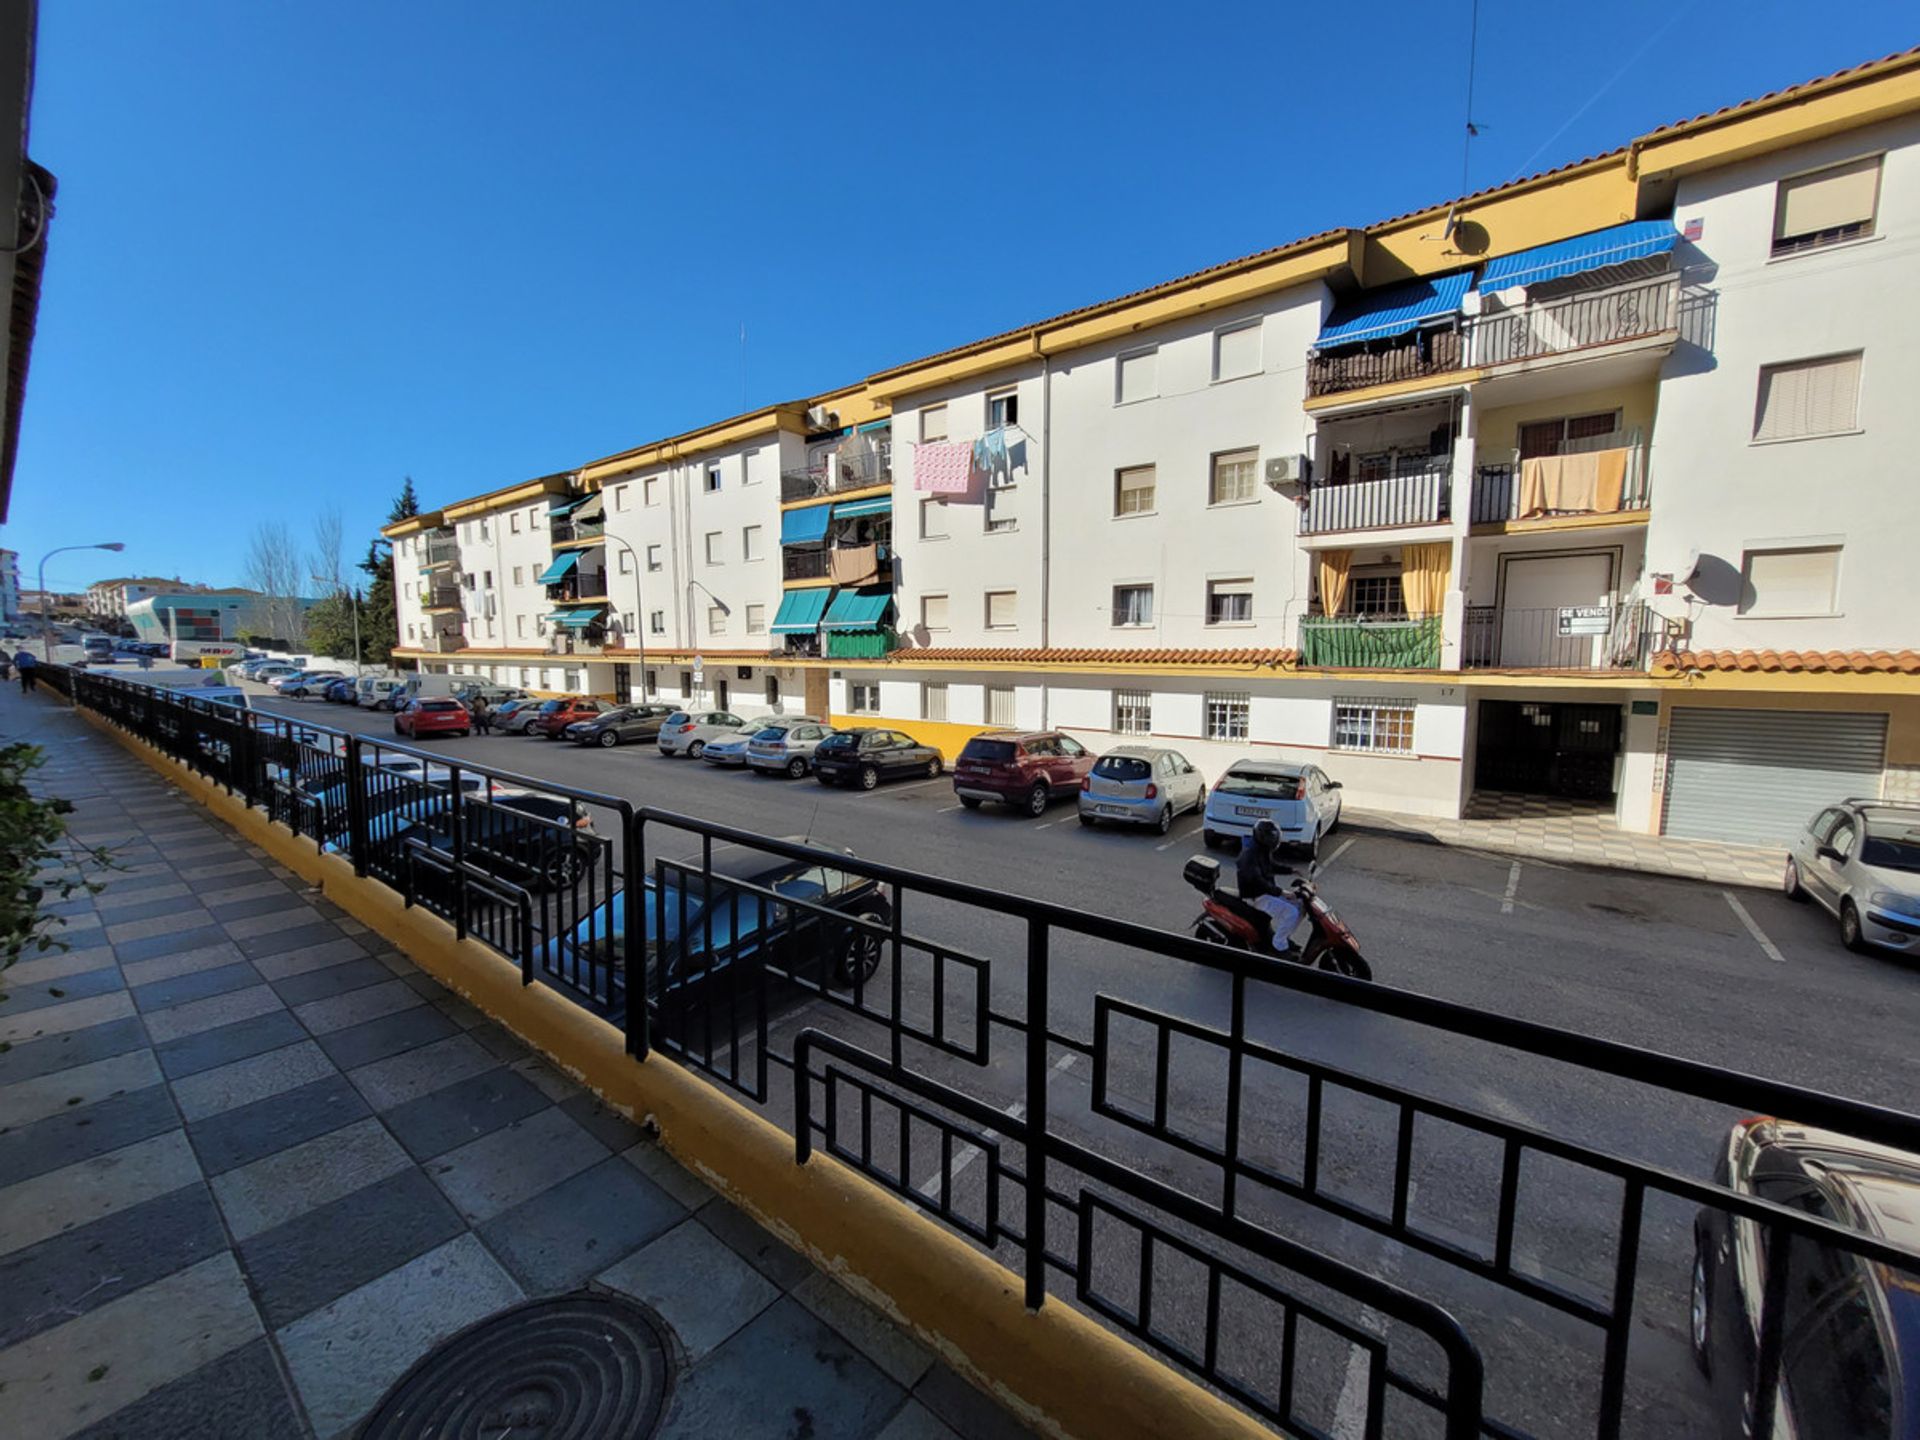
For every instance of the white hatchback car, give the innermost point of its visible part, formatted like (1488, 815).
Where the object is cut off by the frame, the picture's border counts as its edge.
(689, 732)
(1300, 799)
(1861, 859)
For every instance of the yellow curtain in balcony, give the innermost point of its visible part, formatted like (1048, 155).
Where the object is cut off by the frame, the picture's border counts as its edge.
(1589, 484)
(1424, 571)
(1335, 566)
(854, 564)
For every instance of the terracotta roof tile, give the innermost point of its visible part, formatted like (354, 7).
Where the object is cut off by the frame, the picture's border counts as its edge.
(1785, 93)
(1794, 662)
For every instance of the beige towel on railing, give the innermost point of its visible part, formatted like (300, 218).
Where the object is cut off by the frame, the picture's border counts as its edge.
(1589, 484)
(854, 564)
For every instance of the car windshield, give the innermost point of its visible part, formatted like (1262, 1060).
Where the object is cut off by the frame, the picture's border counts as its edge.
(772, 732)
(553, 706)
(619, 712)
(997, 752)
(1893, 852)
(678, 717)
(1255, 782)
(1122, 767)
(845, 740)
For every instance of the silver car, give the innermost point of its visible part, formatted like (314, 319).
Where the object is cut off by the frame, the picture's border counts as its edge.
(1861, 859)
(786, 745)
(1300, 799)
(1141, 785)
(686, 732)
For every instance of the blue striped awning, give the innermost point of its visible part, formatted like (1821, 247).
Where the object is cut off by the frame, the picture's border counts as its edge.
(557, 571)
(576, 619)
(857, 609)
(1376, 314)
(800, 612)
(854, 509)
(806, 526)
(567, 507)
(1617, 244)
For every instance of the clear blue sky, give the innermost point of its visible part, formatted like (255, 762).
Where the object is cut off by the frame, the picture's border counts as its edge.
(305, 249)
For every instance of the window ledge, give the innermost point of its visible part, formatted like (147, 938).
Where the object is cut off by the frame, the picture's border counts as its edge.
(1798, 439)
(1791, 615)
(1137, 515)
(1853, 244)
(1233, 504)
(1231, 624)
(1376, 754)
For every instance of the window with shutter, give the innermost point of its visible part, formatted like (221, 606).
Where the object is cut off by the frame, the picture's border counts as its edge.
(1801, 581)
(1138, 378)
(1001, 609)
(1000, 705)
(933, 520)
(933, 701)
(1826, 207)
(1236, 351)
(1233, 477)
(1808, 397)
(1133, 491)
(1229, 602)
(933, 423)
(933, 612)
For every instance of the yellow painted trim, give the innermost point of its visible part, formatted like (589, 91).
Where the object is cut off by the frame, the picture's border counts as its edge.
(425, 520)
(586, 542)
(818, 584)
(864, 492)
(1786, 683)
(1393, 390)
(1056, 1369)
(1562, 522)
(1865, 96)
(440, 609)
(506, 497)
(789, 416)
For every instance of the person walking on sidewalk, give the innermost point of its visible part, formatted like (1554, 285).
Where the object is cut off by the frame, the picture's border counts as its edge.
(24, 662)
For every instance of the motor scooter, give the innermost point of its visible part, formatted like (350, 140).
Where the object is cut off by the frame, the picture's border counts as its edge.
(1226, 919)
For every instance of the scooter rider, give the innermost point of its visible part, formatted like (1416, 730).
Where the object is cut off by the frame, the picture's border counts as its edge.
(1261, 884)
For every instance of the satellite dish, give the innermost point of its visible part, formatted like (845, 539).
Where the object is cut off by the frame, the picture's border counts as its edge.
(1688, 570)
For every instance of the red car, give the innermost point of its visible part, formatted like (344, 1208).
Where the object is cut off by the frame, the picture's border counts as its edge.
(1028, 771)
(556, 715)
(439, 716)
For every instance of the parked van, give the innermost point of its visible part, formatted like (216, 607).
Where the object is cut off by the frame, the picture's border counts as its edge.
(98, 647)
(420, 687)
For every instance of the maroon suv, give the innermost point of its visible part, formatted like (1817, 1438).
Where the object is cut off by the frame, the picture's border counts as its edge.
(1025, 770)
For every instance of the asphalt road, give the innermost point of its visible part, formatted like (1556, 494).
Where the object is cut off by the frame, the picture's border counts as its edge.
(1736, 978)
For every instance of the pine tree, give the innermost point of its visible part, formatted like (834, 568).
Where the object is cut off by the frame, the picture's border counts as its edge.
(407, 506)
(379, 622)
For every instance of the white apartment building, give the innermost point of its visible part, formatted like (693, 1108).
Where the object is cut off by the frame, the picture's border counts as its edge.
(1584, 492)
(9, 585)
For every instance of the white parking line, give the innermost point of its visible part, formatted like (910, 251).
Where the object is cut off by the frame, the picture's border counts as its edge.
(1350, 1405)
(1513, 884)
(967, 1154)
(1046, 825)
(1345, 845)
(1772, 950)
(946, 809)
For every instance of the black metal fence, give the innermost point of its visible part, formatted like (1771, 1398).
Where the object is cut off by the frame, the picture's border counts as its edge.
(1270, 1181)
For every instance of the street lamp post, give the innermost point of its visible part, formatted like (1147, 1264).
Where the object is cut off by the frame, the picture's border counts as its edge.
(693, 629)
(639, 609)
(46, 621)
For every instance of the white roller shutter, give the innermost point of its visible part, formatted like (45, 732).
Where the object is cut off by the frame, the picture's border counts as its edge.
(1755, 777)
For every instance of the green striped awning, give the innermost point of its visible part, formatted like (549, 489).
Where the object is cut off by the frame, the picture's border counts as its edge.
(857, 609)
(577, 618)
(562, 564)
(853, 509)
(800, 612)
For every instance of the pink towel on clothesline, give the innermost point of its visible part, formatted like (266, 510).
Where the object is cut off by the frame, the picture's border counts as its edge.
(942, 469)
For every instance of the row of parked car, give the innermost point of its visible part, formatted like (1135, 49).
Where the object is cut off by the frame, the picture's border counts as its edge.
(1132, 785)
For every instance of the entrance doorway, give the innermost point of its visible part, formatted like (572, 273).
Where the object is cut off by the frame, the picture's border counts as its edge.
(622, 683)
(814, 683)
(1542, 748)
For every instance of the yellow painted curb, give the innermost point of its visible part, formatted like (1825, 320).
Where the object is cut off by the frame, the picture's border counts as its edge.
(1057, 1369)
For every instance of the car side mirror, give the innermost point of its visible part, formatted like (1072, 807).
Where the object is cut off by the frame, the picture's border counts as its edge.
(1827, 852)
(1333, 785)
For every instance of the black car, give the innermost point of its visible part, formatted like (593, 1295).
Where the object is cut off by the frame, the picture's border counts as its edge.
(539, 842)
(1850, 1338)
(622, 725)
(866, 757)
(706, 925)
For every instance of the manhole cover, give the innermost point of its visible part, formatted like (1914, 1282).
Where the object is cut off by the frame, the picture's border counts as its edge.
(580, 1367)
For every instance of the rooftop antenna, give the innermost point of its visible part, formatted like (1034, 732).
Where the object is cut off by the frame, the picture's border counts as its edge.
(1472, 129)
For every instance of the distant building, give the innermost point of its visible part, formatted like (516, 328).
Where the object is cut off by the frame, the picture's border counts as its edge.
(9, 586)
(210, 615)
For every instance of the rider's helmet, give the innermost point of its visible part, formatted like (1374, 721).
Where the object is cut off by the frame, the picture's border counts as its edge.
(1266, 835)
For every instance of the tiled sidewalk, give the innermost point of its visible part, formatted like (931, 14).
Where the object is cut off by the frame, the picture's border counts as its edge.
(253, 1164)
(1571, 835)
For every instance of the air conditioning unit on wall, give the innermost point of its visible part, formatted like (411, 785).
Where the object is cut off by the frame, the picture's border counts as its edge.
(1287, 473)
(819, 417)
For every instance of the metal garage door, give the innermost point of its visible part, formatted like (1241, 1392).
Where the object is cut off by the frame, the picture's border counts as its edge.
(1756, 776)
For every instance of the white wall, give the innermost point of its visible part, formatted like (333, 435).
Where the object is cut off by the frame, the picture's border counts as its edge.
(1716, 491)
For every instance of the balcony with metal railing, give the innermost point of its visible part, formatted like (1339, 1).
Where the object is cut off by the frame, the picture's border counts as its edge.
(436, 598)
(441, 549)
(1371, 642)
(1418, 491)
(569, 529)
(848, 564)
(443, 642)
(579, 585)
(830, 474)
(1602, 637)
(590, 641)
(1594, 475)
(1413, 356)
(1584, 319)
